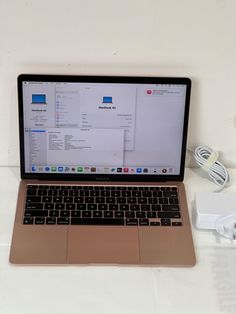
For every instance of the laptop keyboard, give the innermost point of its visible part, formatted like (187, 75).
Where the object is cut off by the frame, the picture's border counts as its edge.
(102, 205)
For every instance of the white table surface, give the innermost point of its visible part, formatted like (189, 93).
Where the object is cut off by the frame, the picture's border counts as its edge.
(209, 287)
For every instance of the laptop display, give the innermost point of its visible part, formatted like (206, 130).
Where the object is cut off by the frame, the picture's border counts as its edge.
(94, 128)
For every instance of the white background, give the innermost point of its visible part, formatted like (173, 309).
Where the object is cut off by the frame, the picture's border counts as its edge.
(125, 37)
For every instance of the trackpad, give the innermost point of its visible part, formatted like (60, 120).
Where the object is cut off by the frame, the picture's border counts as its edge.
(114, 245)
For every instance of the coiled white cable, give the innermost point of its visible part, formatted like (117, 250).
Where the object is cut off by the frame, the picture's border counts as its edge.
(207, 159)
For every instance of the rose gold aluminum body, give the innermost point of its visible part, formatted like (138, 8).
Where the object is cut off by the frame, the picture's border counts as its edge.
(126, 245)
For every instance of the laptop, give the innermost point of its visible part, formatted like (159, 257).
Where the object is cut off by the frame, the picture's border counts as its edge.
(102, 168)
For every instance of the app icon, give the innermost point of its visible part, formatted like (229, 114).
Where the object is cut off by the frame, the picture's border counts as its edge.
(60, 169)
(93, 169)
(139, 170)
(119, 169)
(47, 168)
(107, 99)
(34, 168)
(113, 169)
(149, 91)
(80, 169)
(164, 170)
(86, 169)
(54, 168)
(145, 170)
(73, 169)
(67, 169)
(126, 170)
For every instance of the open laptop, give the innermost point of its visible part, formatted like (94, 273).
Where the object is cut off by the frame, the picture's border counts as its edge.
(102, 165)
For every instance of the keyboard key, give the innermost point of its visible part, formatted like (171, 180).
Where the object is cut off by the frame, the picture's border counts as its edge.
(31, 192)
(141, 215)
(103, 206)
(113, 206)
(81, 206)
(131, 222)
(53, 192)
(79, 200)
(155, 223)
(54, 213)
(168, 214)
(121, 200)
(130, 214)
(124, 207)
(98, 221)
(131, 200)
(57, 199)
(100, 200)
(151, 214)
(108, 214)
(174, 208)
(152, 200)
(97, 214)
(155, 207)
(174, 201)
(63, 221)
(68, 199)
(42, 192)
(36, 213)
(31, 187)
(64, 213)
(86, 214)
(50, 221)
(33, 199)
(70, 206)
(63, 193)
(119, 214)
(135, 207)
(145, 207)
(75, 213)
(165, 222)
(170, 194)
(59, 206)
(49, 206)
(47, 199)
(92, 206)
(110, 200)
(143, 222)
(33, 206)
(142, 200)
(39, 221)
(163, 200)
(28, 221)
(176, 223)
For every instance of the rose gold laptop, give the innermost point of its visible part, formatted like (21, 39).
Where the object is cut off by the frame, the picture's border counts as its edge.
(102, 164)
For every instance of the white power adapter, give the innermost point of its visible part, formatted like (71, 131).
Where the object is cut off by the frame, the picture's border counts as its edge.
(216, 211)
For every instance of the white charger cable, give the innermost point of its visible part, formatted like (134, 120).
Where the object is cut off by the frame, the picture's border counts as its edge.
(207, 159)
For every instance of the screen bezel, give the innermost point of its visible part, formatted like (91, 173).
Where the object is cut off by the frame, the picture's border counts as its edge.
(102, 79)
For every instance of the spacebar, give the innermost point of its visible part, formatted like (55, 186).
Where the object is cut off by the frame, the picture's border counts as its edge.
(97, 221)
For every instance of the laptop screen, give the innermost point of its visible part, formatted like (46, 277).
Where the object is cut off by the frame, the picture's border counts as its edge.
(103, 125)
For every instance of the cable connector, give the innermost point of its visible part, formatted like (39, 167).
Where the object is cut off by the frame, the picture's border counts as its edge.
(226, 226)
